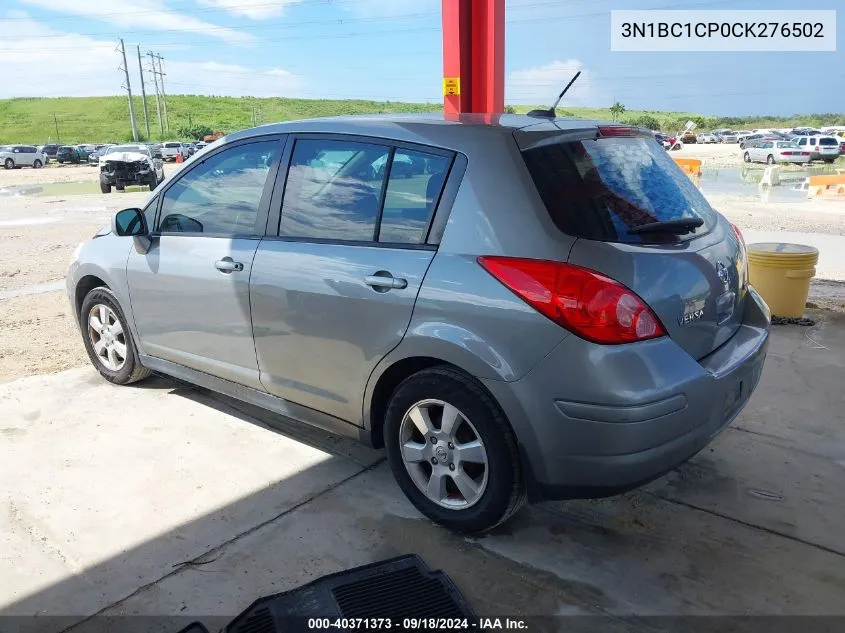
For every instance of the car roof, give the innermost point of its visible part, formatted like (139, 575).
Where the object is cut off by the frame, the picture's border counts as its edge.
(421, 128)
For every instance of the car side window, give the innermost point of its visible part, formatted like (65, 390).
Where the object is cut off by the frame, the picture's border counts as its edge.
(221, 195)
(413, 189)
(333, 190)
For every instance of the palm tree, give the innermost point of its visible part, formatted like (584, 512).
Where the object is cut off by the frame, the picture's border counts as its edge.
(617, 110)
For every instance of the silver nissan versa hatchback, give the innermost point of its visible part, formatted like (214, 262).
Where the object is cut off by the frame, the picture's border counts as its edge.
(513, 307)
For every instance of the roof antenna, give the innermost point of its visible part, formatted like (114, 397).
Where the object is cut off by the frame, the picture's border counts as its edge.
(550, 113)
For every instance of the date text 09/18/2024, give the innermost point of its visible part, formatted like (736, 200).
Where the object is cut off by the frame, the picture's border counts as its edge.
(421, 624)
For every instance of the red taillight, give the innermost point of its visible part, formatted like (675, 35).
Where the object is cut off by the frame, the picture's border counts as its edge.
(738, 233)
(805, 153)
(817, 148)
(743, 250)
(585, 302)
(616, 130)
(787, 153)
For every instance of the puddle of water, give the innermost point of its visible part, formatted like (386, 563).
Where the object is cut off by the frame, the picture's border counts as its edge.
(745, 181)
(76, 187)
(34, 289)
(28, 221)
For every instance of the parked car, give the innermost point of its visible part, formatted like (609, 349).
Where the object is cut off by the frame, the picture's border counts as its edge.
(49, 151)
(824, 148)
(14, 156)
(707, 137)
(124, 165)
(842, 146)
(772, 152)
(806, 131)
(495, 356)
(188, 149)
(94, 157)
(170, 150)
(689, 137)
(667, 142)
(69, 154)
(727, 137)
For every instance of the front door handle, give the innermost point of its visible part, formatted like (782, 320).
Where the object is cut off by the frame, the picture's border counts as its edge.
(383, 281)
(228, 265)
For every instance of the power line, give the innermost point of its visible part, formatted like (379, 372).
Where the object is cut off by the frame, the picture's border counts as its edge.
(128, 87)
(158, 98)
(143, 93)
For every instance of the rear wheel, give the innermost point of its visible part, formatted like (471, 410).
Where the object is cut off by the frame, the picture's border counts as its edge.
(452, 451)
(770, 160)
(829, 160)
(37, 164)
(108, 340)
(152, 181)
(746, 157)
(9, 164)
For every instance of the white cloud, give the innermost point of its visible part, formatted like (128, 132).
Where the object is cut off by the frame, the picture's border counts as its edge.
(232, 80)
(136, 14)
(371, 8)
(42, 62)
(542, 84)
(253, 9)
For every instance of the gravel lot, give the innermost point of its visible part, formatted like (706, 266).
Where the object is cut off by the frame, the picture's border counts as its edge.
(39, 234)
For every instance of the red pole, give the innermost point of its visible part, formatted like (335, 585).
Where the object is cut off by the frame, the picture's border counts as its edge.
(473, 56)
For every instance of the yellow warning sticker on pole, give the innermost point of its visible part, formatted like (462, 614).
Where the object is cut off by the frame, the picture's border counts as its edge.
(451, 86)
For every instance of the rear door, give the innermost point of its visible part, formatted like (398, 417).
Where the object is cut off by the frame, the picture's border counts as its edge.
(334, 284)
(190, 292)
(602, 189)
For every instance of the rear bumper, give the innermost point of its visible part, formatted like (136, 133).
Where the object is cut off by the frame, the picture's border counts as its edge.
(595, 420)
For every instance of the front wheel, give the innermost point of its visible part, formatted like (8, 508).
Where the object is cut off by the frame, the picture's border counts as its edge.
(452, 451)
(105, 187)
(746, 157)
(108, 340)
(770, 159)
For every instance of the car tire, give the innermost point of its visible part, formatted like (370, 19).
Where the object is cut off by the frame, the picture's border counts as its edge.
(105, 187)
(9, 163)
(746, 157)
(501, 491)
(153, 182)
(101, 306)
(37, 164)
(770, 160)
(742, 146)
(829, 160)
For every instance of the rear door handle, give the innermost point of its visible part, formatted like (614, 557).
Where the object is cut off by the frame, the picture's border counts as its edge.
(383, 279)
(228, 265)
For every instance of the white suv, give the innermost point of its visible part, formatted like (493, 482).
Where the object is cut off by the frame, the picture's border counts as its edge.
(169, 151)
(824, 148)
(12, 156)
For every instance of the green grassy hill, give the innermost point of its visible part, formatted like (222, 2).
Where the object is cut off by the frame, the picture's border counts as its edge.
(103, 119)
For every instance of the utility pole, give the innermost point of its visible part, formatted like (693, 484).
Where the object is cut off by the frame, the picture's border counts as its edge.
(158, 102)
(56, 123)
(253, 116)
(163, 95)
(128, 87)
(143, 93)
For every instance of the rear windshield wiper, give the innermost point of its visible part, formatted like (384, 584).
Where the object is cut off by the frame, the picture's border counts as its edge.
(684, 225)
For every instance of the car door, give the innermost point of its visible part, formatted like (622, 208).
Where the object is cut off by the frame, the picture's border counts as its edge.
(334, 286)
(190, 292)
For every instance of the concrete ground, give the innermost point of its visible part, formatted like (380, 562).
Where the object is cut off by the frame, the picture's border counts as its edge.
(163, 499)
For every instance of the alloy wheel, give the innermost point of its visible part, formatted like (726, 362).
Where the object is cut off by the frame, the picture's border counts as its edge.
(107, 337)
(444, 454)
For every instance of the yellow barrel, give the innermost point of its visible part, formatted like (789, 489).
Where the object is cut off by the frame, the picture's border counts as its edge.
(781, 273)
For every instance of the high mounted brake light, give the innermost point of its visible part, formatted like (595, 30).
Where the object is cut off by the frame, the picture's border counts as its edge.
(617, 130)
(583, 301)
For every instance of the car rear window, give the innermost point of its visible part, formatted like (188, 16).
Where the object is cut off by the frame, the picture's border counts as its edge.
(599, 188)
(828, 141)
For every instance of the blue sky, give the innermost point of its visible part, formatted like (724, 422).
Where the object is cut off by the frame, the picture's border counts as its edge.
(391, 49)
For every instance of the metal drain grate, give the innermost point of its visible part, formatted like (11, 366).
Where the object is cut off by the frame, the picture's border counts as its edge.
(402, 587)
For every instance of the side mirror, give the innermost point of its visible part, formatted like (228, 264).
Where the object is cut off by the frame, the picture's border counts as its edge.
(130, 222)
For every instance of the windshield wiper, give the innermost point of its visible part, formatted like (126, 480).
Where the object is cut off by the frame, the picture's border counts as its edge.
(684, 225)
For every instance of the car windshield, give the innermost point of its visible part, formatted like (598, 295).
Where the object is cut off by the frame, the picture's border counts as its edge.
(128, 148)
(600, 189)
